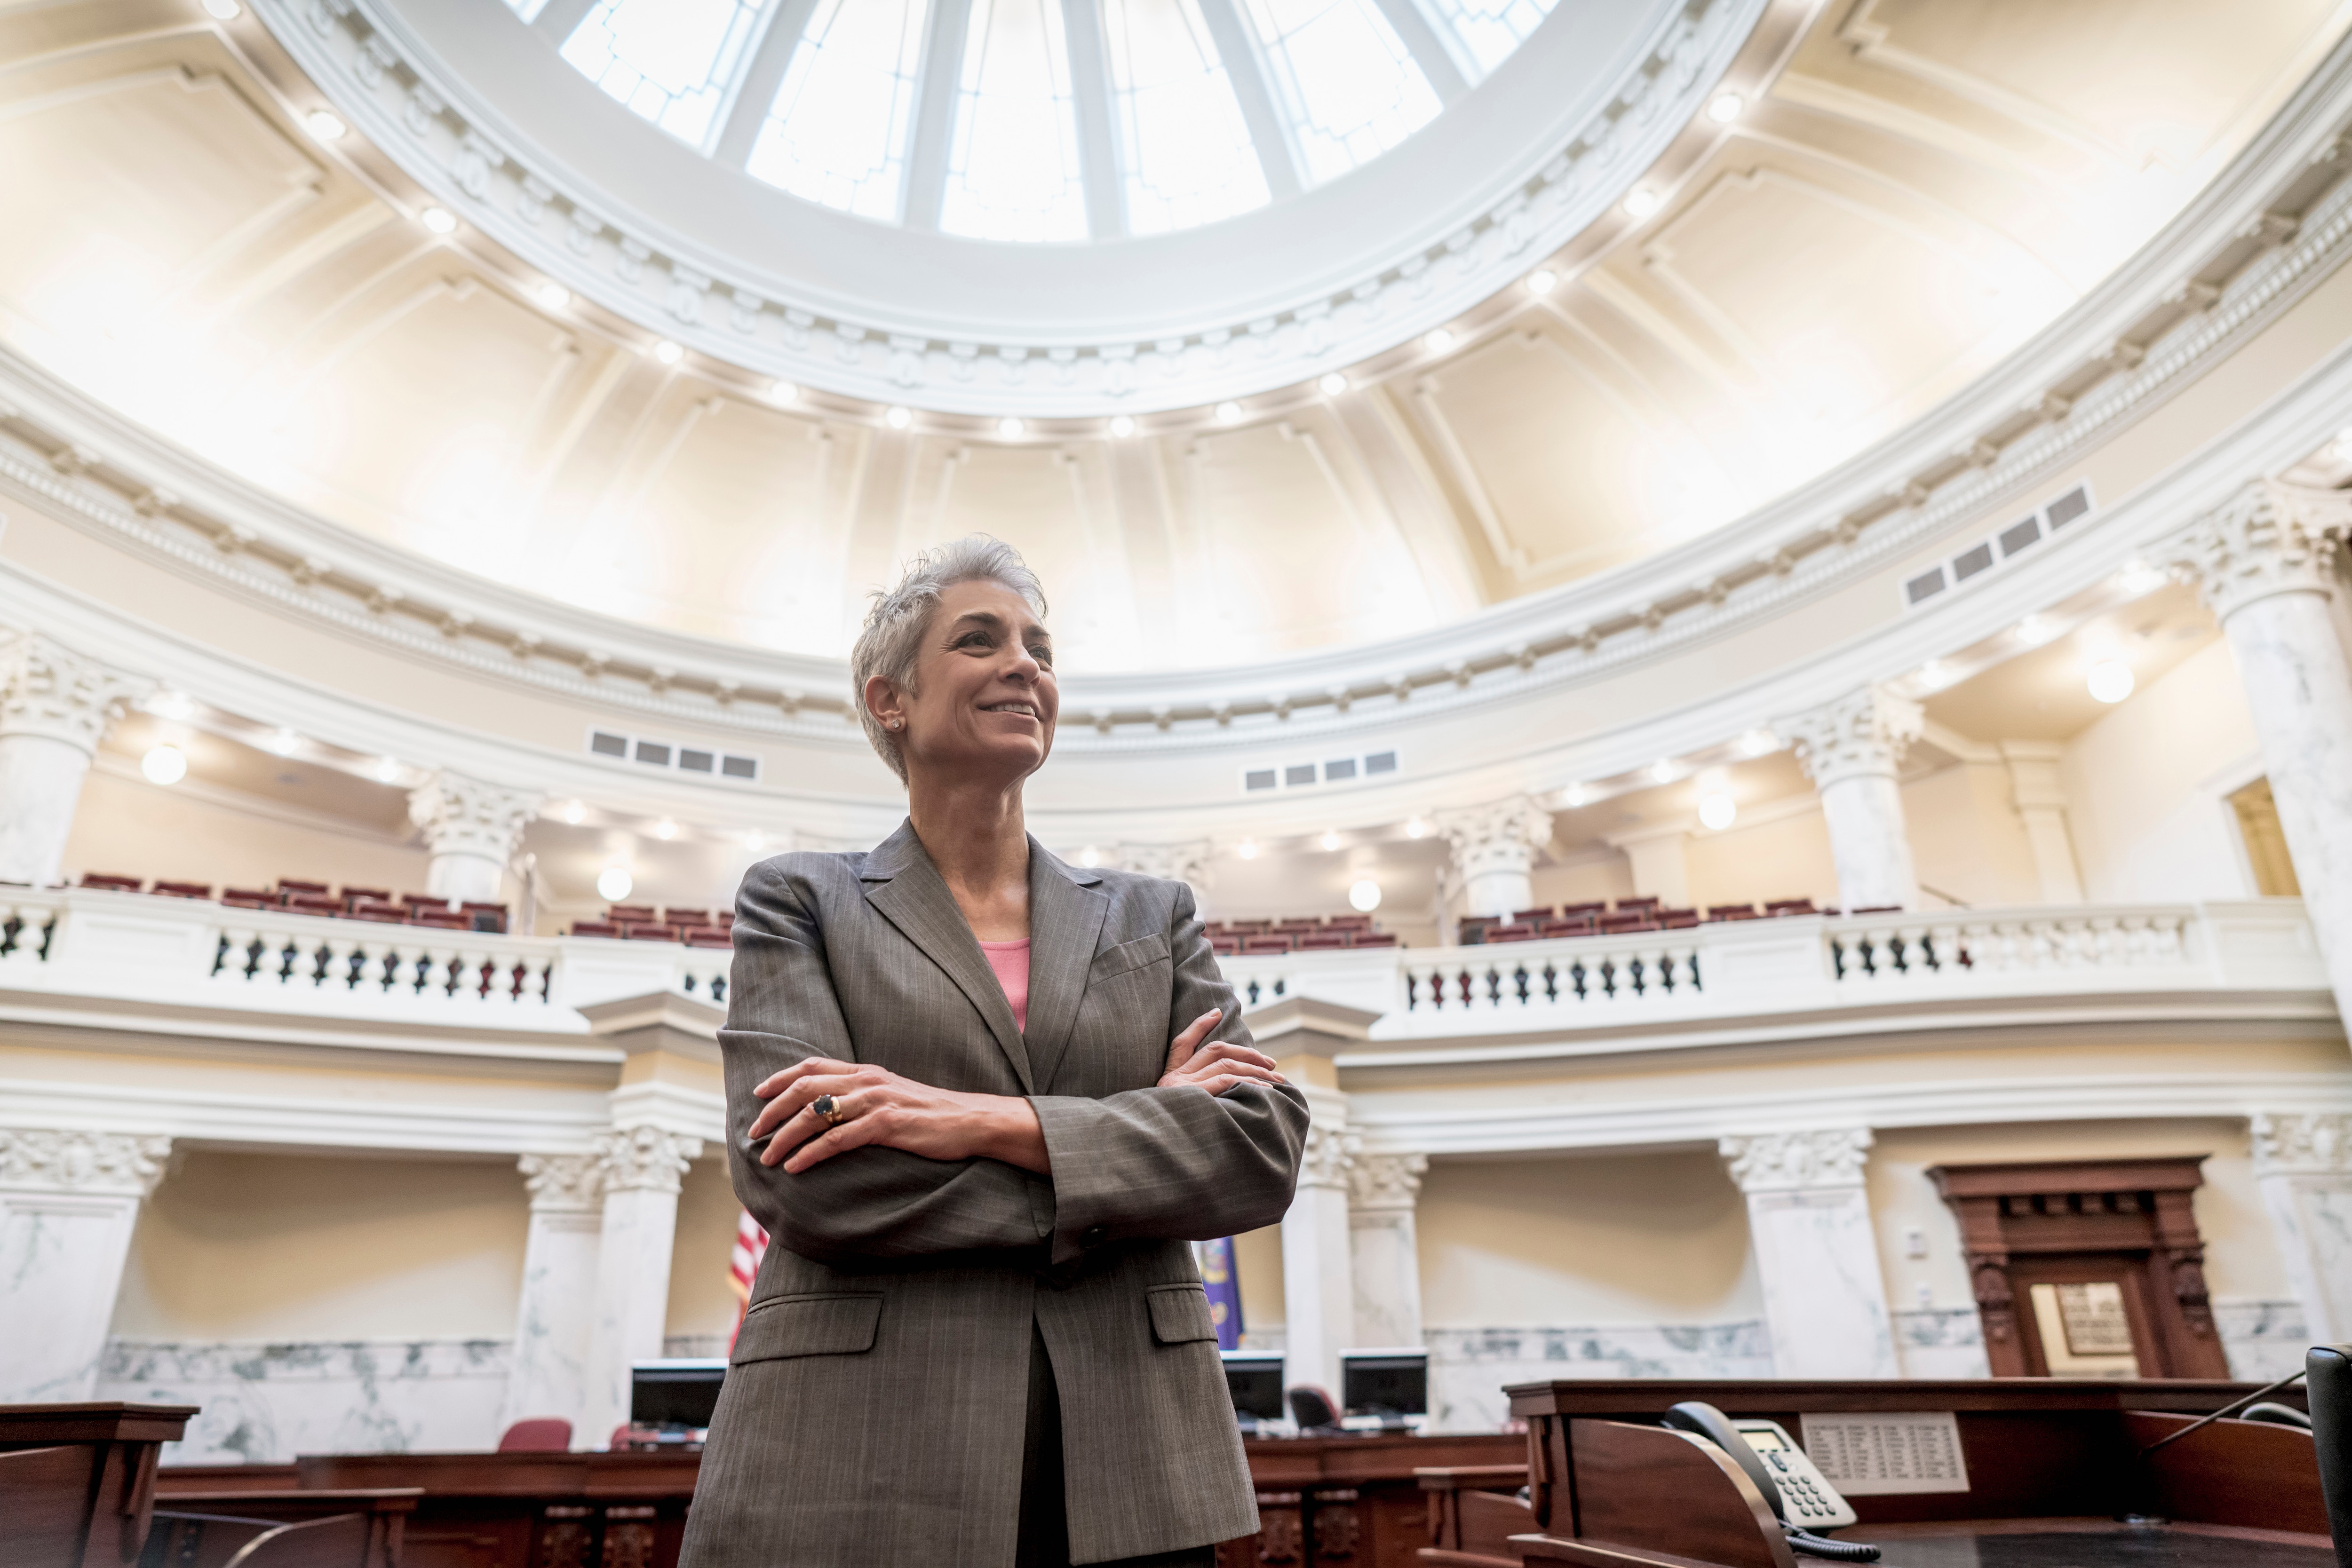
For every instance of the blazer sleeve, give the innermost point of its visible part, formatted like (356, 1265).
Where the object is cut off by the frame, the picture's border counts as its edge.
(873, 1202)
(1175, 1162)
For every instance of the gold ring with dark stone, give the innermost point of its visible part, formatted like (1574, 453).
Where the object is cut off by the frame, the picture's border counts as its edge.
(826, 1106)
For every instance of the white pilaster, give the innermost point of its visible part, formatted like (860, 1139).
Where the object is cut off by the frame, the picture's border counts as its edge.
(1494, 848)
(556, 1316)
(472, 830)
(1384, 1247)
(2037, 786)
(2303, 1164)
(69, 1201)
(1816, 1253)
(56, 706)
(1318, 1298)
(1850, 748)
(1660, 861)
(2264, 562)
(640, 1169)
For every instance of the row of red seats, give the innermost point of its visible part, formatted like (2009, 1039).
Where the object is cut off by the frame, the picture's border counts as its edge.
(1321, 939)
(1601, 919)
(648, 923)
(295, 897)
(1296, 925)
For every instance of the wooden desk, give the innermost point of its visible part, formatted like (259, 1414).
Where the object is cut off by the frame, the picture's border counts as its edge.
(1610, 1488)
(1351, 1502)
(78, 1482)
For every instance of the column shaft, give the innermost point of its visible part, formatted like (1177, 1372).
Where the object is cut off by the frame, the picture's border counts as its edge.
(1384, 1248)
(1851, 749)
(56, 706)
(1318, 1300)
(554, 1318)
(41, 786)
(641, 1170)
(472, 830)
(69, 1203)
(2303, 1165)
(1494, 848)
(1816, 1253)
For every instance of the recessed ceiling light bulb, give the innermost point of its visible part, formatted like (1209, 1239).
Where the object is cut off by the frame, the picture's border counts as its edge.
(1757, 742)
(1330, 841)
(668, 352)
(1663, 770)
(782, 391)
(1717, 812)
(1247, 849)
(440, 220)
(1642, 202)
(574, 812)
(1726, 107)
(614, 883)
(1121, 427)
(1091, 856)
(165, 765)
(897, 418)
(387, 770)
(1414, 828)
(223, 10)
(1011, 427)
(284, 742)
(1542, 281)
(1364, 896)
(552, 296)
(1228, 413)
(665, 829)
(1934, 674)
(1575, 795)
(1333, 383)
(2110, 680)
(325, 124)
(2036, 629)
(1438, 340)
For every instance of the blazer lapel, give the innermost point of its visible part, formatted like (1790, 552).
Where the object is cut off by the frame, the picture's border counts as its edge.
(1067, 907)
(902, 883)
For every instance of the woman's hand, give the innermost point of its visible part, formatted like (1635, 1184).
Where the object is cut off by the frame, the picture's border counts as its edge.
(876, 1106)
(1216, 1066)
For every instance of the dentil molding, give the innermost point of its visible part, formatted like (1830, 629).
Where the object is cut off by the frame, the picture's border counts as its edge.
(70, 1160)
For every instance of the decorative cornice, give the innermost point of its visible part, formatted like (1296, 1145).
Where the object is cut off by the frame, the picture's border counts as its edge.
(2269, 538)
(2300, 1142)
(70, 1160)
(1499, 836)
(564, 1183)
(1861, 735)
(1809, 1160)
(375, 68)
(462, 816)
(49, 690)
(644, 1159)
(1385, 1182)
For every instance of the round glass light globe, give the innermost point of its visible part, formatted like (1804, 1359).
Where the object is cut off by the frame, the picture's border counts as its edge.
(324, 125)
(1364, 896)
(2111, 680)
(1011, 428)
(1247, 849)
(1333, 383)
(1718, 812)
(440, 220)
(165, 765)
(1121, 427)
(614, 883)
(1725, 109)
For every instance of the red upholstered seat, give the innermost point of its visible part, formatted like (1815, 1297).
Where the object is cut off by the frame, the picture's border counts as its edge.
(105, 883)
(438, 919)
(682, 918)
(1570, 911)
(1374, 939)
(180, 889)
(538, 1435)
(314, 903)
(248, 898)
(1731, 911)
(652, 931)
(1677, 919)
(1247, 928)
(709, 936)
(1646, 903)
(1226, 947)
(1581, 925)
(633, 915)
(1789, 906)
(382, 914)
(1317, 941)
(288, 887)
(354, 896)
(723, 918)
(1531, 916)
(1627, 920)
(1511, 931)
(1264, 942)
(596, 928)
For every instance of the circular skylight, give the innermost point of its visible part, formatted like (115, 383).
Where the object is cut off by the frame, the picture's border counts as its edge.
(1040, 120)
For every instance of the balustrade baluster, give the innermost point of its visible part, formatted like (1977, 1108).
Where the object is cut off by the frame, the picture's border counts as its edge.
(1552, 981)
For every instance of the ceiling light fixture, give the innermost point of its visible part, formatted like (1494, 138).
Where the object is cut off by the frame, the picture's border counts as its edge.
(1757, 742)
(897, 417)
(284, 742)
(574, 812)
(170, 705)
(2110, 680)
(1936, 675)
(1438, 340)
(1542, 281)
(1575, 795)
(1228, 413)
(2138, 578)
(1011, 428)
(440, 220)
(387, 770)
(165, 765)
(614, 883)
(552, 296)
(1330, 841)
(1247, 849)
(1091, 856)
(665, 829)
(1364, 896)
(1414, 828)
(1642, 202)
(2036, 629)
(223, 10)
(668, 352)
(1726, 107)
(324, 125)
(783, 393)
(1718, 811)
(1333, 383)
(1664, 770)
(1121, 427)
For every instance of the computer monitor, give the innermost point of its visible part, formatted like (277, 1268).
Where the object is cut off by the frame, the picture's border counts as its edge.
(1254, 1378)
(1390, 1383)
(676, 1392)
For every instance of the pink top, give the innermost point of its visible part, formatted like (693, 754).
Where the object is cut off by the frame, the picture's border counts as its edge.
(1011, 962)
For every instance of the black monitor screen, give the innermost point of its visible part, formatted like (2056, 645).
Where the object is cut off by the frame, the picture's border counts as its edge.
(1385, 1383)
(1255, 1381)
(675, 1393)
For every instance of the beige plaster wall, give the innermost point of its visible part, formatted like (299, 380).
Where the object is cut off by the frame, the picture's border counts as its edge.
(701, 1302)
(1569, 1242)
(1257, 1261)
(129, 827)
(242, 1246)
(1785, 856)
(1967, 840)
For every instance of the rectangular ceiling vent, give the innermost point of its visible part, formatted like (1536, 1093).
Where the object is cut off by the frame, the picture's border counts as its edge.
(2006, 545)
(646, 752)
(1331, 770)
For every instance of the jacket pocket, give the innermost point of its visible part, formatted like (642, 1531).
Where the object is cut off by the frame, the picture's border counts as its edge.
(1180, 1313)
(1135, 954)
(785, 1326)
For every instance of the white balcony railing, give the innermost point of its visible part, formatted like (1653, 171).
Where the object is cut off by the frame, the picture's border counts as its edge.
(127, 947)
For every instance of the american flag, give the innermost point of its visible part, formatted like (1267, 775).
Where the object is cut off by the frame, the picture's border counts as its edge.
(743, 1266)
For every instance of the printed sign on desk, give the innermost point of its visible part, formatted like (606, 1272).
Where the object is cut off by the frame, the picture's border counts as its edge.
(1881, 1456)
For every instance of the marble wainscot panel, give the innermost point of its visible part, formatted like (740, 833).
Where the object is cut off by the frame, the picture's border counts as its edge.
(1469, 1368)
(695, 1347)
(1940, 1342)
(264, 1404)
(2265, 1340)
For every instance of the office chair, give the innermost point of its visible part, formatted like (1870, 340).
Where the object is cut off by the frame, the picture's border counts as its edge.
(1316, 1411)
(2328, 1375)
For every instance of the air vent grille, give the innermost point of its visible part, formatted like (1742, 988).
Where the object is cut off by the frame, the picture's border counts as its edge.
(2005, 546)
(645, 751)
(1306, 775)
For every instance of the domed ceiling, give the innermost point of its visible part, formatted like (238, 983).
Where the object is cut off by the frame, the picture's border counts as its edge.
(1855, 211)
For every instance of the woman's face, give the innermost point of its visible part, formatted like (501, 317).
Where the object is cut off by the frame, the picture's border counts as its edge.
(985, 699)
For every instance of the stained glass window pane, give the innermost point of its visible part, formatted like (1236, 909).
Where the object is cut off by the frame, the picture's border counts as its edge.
(1189, 158)
(839, 129)
(1489, 29)
(1013, 165)
(1345, 80)
(669, 61)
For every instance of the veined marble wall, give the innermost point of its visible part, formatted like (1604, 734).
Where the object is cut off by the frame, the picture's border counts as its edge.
(1469, 1368)
(2263, 1339)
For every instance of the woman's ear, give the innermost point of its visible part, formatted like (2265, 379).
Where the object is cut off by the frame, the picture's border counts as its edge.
(882, 700)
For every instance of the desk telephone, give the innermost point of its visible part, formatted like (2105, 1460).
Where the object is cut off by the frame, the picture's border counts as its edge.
(1797, 1492)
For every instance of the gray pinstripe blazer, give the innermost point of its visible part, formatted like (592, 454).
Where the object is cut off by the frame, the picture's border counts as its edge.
(873, 1412)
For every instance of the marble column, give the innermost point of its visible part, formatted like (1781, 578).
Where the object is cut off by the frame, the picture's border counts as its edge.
(555, 1317)
(640, 1167)
(1185, 862)
(1494, 848)
(56, 706)
(69, 1201)
(472, 830)
(1816, 1251)
(2303, 1165)
(1850, 748)
(2037, 786)
(1383, 1248)
(2265, 562)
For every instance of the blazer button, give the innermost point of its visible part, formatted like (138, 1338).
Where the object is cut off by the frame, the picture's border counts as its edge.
(1093, 1236)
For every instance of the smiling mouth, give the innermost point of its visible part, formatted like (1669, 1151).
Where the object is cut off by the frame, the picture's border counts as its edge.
(1026, 710)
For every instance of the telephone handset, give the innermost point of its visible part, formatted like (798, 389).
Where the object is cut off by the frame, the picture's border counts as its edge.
(1798, 1494)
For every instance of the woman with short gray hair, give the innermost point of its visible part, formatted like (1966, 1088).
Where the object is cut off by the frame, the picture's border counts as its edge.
(980, 1100)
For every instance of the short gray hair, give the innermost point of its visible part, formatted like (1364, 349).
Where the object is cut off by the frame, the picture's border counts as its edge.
(890, 642)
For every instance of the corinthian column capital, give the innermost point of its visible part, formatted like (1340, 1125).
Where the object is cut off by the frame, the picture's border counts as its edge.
(1861, 733)
(109, 1164)
(564, 1183)
(2267, 539)
(1501, 835)
(2301, 1142)
(47, 689)
(465, 816)
(1386, 1181)
(1185, 862)
(1330, 1157)
(1808, 1159)
(644, 1159)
